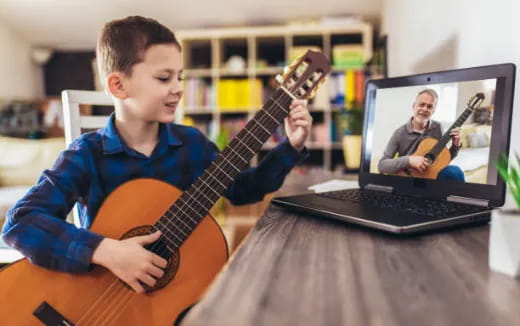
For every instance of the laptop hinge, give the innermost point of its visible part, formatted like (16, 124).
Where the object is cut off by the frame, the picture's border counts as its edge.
(468, 200)
(378, 188)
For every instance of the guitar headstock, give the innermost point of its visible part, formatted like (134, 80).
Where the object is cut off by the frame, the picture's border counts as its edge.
(475, 101)
(304, 76)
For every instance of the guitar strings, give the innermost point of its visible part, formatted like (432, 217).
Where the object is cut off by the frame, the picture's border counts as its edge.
(126, 297)
(196, 199)
(214, 181)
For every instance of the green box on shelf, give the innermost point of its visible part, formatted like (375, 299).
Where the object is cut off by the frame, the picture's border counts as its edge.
(348, 57)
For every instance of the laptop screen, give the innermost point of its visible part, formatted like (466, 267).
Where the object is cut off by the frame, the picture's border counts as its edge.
(439, 133)
(410, 121)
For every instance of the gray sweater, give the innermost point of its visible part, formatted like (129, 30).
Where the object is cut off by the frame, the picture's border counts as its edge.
(404, 141)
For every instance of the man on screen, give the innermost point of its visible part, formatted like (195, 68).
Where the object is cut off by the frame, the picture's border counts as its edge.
(406, 138)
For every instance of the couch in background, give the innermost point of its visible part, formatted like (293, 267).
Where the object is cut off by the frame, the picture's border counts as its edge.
(21, 163)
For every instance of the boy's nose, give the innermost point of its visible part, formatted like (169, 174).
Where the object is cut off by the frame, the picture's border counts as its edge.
(176, 87)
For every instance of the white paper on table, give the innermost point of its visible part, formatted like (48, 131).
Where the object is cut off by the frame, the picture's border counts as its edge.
(334, 184)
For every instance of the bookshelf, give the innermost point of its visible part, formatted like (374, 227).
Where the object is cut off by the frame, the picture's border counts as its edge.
(230, 73)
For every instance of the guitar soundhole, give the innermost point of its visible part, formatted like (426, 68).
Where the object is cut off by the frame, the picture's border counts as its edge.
(160, 249)
(430, 157)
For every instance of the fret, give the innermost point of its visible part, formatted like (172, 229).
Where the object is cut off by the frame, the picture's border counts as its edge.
(170, 244)
(172, 219)
(281, 107)
(176, 236)
(171, 249)
(273, 118)
(202, 193)
(258, 140)
(172, 222)
(223, 171)
(261, 126)
(165, 231)
(205, 208)
(237, 154)
(195, 199)
(224, 158)
(216, 179)
(185, 203)
(190, 227)
(250, 150)
(209, 187)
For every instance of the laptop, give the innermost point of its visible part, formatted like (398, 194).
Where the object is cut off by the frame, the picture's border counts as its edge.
(463, 188)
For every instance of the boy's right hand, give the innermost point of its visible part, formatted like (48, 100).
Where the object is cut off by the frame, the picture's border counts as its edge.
(129, 261)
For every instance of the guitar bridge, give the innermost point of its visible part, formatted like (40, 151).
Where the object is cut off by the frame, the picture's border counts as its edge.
(50, 316)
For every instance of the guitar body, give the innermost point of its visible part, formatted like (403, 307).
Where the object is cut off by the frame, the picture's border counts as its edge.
(98, 297)
(442, 160)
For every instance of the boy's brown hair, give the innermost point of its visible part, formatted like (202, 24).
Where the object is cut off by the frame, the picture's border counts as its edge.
(122, 43)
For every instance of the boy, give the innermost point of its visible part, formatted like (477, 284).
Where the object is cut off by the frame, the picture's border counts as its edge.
(140, 65)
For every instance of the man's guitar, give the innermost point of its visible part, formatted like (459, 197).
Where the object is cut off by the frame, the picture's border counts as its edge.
(435, 150)
(191, 240)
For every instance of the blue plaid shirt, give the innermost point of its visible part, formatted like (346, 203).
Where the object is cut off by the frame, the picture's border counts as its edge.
(98, 162)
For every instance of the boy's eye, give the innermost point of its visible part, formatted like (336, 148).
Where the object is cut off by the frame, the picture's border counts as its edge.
(163, 80)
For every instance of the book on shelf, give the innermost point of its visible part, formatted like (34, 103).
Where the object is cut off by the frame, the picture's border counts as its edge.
(347, 89)
(199, 94)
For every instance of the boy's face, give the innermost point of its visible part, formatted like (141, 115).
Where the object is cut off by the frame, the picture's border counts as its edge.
(154, 88)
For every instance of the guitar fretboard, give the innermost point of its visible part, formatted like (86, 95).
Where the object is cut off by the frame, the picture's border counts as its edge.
(188, 210)
(446, 137)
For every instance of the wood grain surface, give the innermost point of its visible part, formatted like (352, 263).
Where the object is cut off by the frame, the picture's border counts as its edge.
(295, 269)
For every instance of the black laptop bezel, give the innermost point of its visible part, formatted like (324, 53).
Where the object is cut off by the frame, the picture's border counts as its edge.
(500, 139)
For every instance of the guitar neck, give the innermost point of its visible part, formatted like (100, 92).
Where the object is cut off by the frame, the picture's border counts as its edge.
(189, 209)
(446, 137)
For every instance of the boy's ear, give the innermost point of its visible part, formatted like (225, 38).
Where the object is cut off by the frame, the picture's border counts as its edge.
(115, 85)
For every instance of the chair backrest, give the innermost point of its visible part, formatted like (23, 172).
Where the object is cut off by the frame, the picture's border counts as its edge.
(72, 119)
(74, 122)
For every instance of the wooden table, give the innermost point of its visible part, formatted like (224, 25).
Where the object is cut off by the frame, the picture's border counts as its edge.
(295, 269)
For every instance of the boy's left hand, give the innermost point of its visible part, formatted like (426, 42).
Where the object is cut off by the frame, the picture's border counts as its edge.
(298, 124)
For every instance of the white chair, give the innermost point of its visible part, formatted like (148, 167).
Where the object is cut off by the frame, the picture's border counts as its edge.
(74, 122)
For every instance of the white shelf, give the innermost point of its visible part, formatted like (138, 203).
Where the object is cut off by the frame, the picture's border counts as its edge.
(198, 110)
(269, 71)
(253, 44)
(199, 73)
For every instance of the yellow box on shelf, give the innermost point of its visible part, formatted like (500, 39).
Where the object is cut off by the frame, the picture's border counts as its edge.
(225, 92)
(239, 94)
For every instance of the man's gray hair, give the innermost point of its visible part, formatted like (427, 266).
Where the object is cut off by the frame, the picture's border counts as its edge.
(430, 91)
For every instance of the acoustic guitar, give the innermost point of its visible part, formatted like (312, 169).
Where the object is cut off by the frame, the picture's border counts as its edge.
(191, 241)
(435, 150)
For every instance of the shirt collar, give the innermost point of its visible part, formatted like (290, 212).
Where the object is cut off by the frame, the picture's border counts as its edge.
(112, 142)
(409, 127)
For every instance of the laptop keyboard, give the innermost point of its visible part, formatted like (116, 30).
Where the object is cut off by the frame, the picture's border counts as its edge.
(402, 203)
